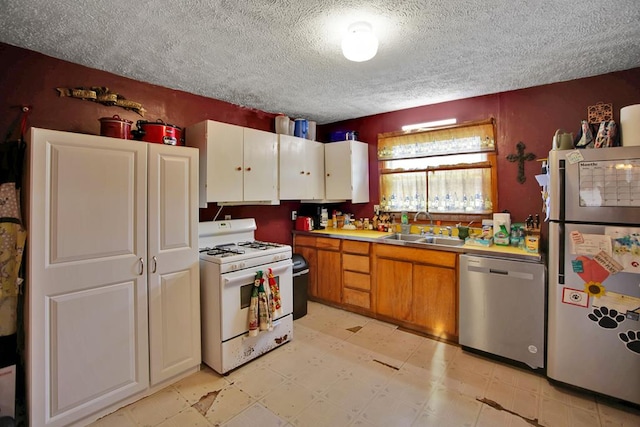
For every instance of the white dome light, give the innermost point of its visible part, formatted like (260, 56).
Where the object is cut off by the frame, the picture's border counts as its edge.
(359, 44)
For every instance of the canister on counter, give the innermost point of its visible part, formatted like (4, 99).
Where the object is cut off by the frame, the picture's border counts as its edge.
(532, 243)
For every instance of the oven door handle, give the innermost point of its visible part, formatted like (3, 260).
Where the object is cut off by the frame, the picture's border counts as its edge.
(244, 278)
(252, 276)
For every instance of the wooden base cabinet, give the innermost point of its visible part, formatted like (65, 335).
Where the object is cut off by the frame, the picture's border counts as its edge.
(417, 287)
(112, 284)
(329, 280)
(394, 289)
(434, 300)
(414, 287)
(325, 274)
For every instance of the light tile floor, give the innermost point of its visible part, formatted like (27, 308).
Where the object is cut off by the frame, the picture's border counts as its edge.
(334, 374)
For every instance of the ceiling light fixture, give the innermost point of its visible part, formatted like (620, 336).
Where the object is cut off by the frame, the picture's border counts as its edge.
(427, 125)
(359, 44)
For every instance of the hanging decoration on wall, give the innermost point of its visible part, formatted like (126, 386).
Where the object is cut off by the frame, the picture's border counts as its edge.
(102, 95)
(521, 157)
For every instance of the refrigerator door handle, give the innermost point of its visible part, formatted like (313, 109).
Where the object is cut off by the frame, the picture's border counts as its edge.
(562, 184)
(561, 254)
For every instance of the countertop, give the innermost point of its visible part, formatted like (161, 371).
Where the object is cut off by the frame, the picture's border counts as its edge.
(509, 252)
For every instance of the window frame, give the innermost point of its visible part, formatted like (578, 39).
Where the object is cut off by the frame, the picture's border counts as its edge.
(484, 129)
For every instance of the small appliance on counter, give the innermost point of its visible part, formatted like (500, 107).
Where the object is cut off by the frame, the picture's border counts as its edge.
(319, 213)
(304, 223)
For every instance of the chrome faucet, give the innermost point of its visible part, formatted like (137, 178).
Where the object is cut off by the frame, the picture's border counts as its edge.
(428, 216)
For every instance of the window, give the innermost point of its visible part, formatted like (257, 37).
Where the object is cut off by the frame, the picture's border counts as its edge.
(449, 171)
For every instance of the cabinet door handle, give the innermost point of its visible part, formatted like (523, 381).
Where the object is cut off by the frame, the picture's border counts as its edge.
(328, 174)
(141, 266)
(238, 168)
(301, 172)
(155, 264)
(249, 168)
(308, 173)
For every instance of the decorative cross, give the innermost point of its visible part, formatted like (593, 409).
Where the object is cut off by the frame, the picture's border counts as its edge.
(521, 157)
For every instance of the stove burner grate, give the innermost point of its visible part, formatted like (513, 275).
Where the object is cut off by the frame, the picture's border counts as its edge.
(260, 245)
(222, 251)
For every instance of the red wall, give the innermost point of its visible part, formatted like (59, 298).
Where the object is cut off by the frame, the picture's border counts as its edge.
(529, 115)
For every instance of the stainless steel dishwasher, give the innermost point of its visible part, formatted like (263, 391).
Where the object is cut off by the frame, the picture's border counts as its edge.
(502, 308)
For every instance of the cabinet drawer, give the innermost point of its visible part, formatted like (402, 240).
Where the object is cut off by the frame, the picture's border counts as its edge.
(304, 240)
(328, 243)
(357, 280)
(358, 298)
(417, 255)
(354, 247)
(355, 263)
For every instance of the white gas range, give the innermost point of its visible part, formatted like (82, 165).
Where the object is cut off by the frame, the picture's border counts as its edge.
(230, 261)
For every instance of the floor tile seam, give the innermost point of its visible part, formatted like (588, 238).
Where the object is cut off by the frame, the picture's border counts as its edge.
(568, 407)
(290, 419)
(570, 404)
(512, 404)
(469, 371)
(187, 409)
(422, 405)
(624, 411)
(206, 391)
(209, 412)
(140, 403)
(251, 396)
(248, 408)
(460, 394)
(442, 384)
(347, 409)
(518, 386)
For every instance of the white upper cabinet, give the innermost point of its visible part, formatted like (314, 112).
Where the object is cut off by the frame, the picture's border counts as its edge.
(301, 168)
(347, 171)
(237, 164)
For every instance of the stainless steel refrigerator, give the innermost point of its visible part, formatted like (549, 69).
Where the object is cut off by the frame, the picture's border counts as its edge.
(594, 270)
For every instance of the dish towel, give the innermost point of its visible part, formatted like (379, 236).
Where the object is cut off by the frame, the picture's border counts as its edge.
(276, 303)
(264, 304)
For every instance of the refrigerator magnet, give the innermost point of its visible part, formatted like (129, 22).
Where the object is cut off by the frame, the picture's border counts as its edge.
(574, 157)
(577, 266)
(575, 297)
(607, 262)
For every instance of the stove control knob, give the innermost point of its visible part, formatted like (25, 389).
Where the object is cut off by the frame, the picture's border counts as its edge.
(242, 265)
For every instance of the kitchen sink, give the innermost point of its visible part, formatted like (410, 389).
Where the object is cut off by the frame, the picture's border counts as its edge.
(428, 239)
(406, 237)
(447, 241)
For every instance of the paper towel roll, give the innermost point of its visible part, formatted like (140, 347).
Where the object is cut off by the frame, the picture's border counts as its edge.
(630, 125)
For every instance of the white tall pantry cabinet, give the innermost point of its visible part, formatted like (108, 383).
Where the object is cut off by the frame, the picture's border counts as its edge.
(112, 273)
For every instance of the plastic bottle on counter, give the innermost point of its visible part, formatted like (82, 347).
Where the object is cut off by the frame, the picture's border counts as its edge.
(404, 218)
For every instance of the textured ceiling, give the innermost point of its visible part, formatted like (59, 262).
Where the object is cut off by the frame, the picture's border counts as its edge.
(284, 55)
